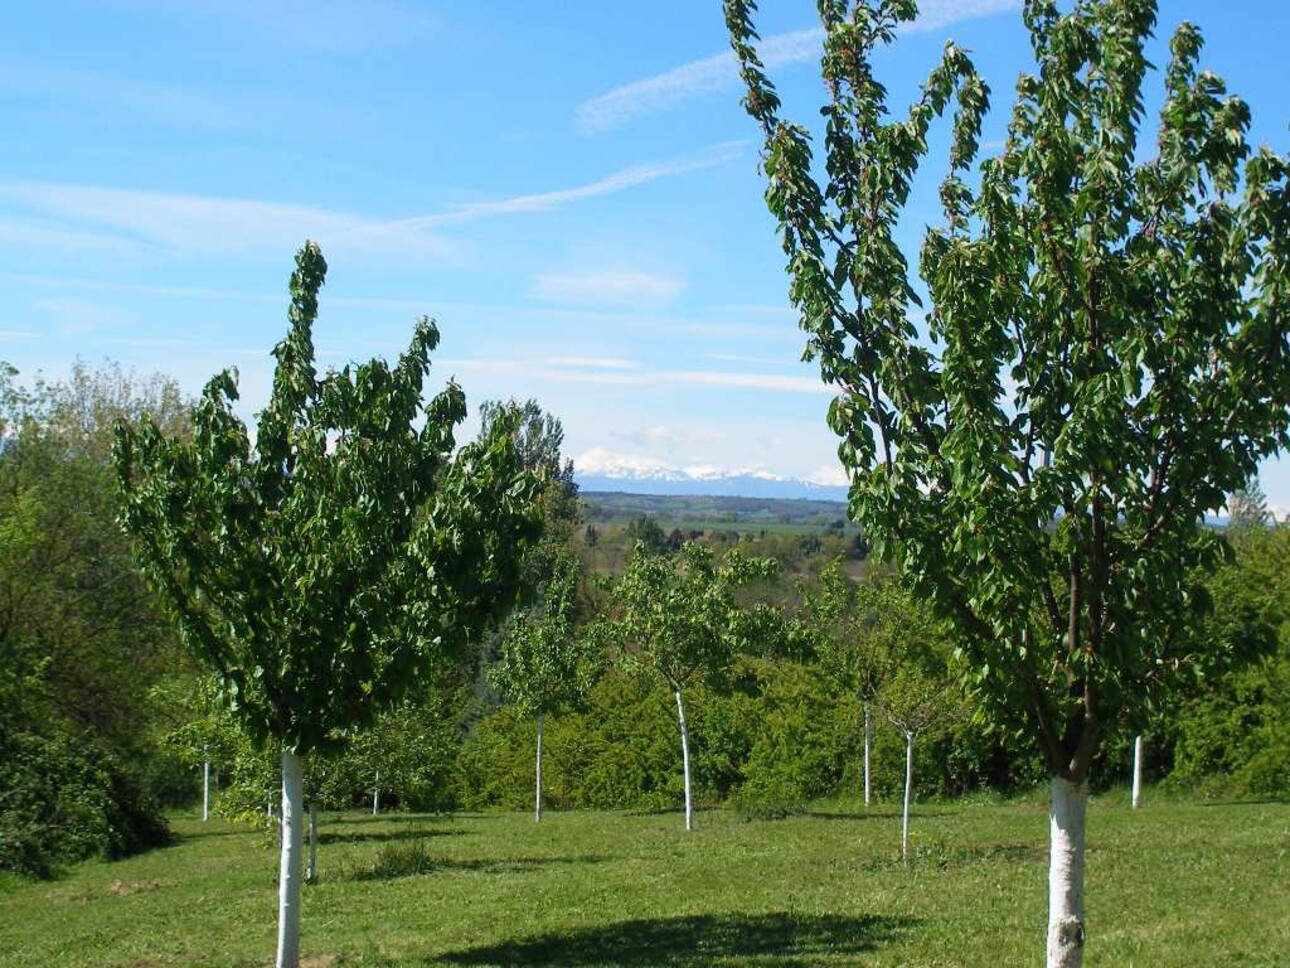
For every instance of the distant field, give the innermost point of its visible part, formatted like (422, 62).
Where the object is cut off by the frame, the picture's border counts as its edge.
(774, 515)
(1175, 884)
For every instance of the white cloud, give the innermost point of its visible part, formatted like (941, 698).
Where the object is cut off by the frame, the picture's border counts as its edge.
(626, 178)
(194, 224)
(607, 288)
(720, 71)
(540, 371)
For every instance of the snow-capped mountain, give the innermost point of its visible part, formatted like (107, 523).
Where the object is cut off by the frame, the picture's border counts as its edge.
(600, 470)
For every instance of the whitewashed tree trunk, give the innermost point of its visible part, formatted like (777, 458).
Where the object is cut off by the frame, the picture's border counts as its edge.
(909, 794)
(1137, 771)
(376, 795)
(311, 871)
(206, 790)
(1066, 874)
(537, 799)
(868, 750)
(289, 870)
(685, 760)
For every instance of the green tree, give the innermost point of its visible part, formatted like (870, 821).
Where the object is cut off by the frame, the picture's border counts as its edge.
(681, 621)
(82, 641)
(1103, 357)
(320, 570)
(646, 536)
(545, 665)
(913, 702)
(1247, 507)
(856, 646)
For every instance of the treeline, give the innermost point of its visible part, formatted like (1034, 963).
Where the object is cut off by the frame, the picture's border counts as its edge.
(781, 671)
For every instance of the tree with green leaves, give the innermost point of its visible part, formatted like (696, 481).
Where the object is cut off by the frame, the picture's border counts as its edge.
(913, 702)
(545, 665)
(321, 570)
(680, 620)
(1247, 506)
(1102, 357)
(855, 646)
(82, 641)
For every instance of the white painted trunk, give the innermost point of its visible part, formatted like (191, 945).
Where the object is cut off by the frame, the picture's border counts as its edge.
(685, 760)
(1137, 771)
(289, 870)
(868, 750)
(1066, 874)
(376, 795)
(909, 795)
(206, 790)
(311, 871)
(537, 798)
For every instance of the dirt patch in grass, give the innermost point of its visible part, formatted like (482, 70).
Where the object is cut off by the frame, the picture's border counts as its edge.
(116, 889)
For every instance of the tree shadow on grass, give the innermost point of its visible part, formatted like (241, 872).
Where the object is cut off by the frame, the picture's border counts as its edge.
(773, 940)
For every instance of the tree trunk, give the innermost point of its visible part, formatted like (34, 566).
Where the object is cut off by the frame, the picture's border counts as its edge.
(685, 760)
(311, 871)
(376, 795)
(1066, 873)
(206, 790)
(289, 871)
(909, 793)
(1137, 771)
(537, 799)
(868, 749)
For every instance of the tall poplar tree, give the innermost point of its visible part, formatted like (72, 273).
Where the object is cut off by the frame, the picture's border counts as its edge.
(1101, 355)
(319, 570)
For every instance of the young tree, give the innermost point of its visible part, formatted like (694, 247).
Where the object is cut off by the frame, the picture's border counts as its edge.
(913, 702)
(681, 621)
(544, 663)
(1104, 355)
(319, 570)
(856, 644)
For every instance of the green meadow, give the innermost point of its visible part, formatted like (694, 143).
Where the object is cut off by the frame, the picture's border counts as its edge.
(1176, 883)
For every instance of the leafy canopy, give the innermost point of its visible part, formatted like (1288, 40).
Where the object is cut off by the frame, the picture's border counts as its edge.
(1094, 351)
(680, 615)
(321, 569)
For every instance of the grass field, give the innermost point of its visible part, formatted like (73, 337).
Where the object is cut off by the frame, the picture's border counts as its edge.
(1173, 884)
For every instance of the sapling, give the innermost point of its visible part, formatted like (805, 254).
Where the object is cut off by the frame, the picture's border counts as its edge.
(679, 620)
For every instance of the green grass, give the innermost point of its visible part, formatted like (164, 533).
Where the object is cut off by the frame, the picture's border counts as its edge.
(1172, 884)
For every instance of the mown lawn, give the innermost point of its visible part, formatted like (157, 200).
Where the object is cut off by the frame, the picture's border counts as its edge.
(1173, 884)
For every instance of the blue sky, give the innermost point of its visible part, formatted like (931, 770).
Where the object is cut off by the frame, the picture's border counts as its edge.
(570, 189)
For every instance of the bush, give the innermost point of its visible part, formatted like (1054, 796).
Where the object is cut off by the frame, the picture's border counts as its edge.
(66, 798)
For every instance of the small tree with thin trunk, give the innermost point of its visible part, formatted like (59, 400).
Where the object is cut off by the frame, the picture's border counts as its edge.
(1103, 355)
(679, 619)
(913, 702)
(862, 629)
(320, 570)
(544, 664)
